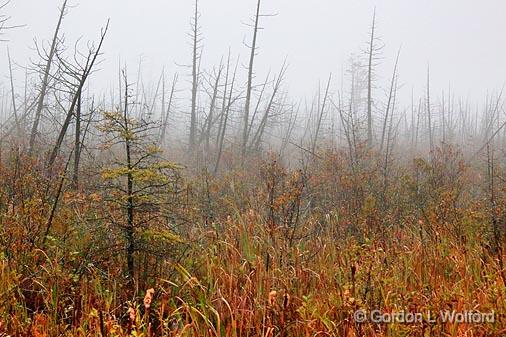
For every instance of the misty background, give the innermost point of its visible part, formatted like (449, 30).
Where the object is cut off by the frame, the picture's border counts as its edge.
(463, 41)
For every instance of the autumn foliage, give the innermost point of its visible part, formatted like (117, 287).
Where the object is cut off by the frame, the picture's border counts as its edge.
(286, 252)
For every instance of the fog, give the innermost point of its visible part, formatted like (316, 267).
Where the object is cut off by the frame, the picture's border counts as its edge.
(433, 73)
(252, 167)
(462, 41)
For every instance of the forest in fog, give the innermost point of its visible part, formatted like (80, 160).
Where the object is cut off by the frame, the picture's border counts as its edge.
(212, 201)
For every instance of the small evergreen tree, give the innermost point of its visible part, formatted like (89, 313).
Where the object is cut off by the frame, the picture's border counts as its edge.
(139, 186)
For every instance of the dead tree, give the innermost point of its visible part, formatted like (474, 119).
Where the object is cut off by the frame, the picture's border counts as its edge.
(206, 134)
(45, 79)
(77, 142)
(443, 117)
(223, 128)
(255, 143)
(346, 125)
(429, 112)
(321, 111)
(371, 53)
(80, 74)
(293, 114)
(412, 123)
(249, 85)
(223, 100)
(196, 41)
(49, 223)
(166, 112)
(352, 120)
(389, 103)
(259, 102)
(13, 94)
(80, 137)
(145, 100)
(390, 141)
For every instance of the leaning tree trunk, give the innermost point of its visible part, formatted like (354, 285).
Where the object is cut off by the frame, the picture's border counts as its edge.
(250, 83)
(45, 81)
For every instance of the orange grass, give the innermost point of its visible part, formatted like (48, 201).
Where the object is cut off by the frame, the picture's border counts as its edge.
(252, 270)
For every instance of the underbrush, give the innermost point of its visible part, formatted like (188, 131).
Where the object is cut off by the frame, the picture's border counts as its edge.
(260, 251)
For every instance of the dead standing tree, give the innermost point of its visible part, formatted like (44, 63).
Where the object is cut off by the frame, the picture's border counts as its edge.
(80, 74)
(227, 108)
(166, 112)
(223, 100)
(196, 37)
(45, 79)
(372, 54)
(259, 101)
(389, 103)
(269, 110)
(79, 140)
(4, 26)
(429, 113)
(210, 120)
(249, 85)
(13, 94)
(322, 105)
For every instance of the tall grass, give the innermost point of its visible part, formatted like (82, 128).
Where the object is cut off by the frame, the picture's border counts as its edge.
(282, 253)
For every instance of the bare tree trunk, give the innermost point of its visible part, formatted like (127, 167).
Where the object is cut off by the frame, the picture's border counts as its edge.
(210, 116)
(351, 119)
(224, 128)
(443, 116)
(412, 119)
(13, 94)
(291, 126)
(369, 82)
(429, 112)
(167, 112)
(45, 81)
(195, 78)
(77, 145)
(347, 132)
(257, 108)
(224, 101)
(255, 143)
(450, 115)
(389, 149)
(59, 191)
(161, 82)
(418, 118)
(86, 72)
(162, 109)
(320, 115)
(250, 82)
(392, 83)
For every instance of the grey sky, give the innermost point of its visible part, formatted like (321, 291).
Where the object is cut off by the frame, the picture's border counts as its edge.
(463, 40)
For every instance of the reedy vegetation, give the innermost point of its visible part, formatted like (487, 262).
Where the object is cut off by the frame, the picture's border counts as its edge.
(281, 221)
